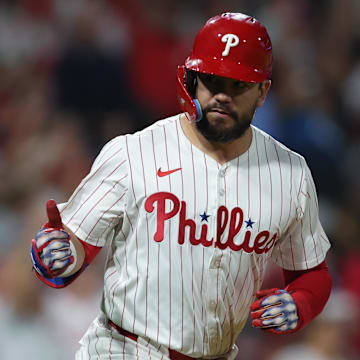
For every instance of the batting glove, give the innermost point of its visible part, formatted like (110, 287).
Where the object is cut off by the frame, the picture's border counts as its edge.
(275, 311)
(51, 249)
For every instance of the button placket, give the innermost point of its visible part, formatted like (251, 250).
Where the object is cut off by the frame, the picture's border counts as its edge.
(214, 268)
(221, 175)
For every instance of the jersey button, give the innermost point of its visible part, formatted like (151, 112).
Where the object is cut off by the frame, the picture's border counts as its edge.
(221, 192)
(222, 173)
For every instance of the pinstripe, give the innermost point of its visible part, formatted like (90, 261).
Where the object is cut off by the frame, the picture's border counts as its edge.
(312, 235)
(281, 256)
(110, 345)
(237, 181)
(96, 342)
(292, 253)
(136, 238)
(158, 295)
(88, 346)
(303, 243)
(193, 299)
(97, 188)
(89, 178)
(271, 185)
(192, 261)
(102, 214)
(203, 250)
(260, 188)
(182, 301)
(102, 154)
(291, 182)
(180, 249)
(148, 241)
(179, 151)
(281, 185)
(125, 288)
(249, 199)
(94, 206)
(242, 286)
(237, 275)
(170, 300)
(217, 284)
(301, 178)
(227, 283)
(94, 191)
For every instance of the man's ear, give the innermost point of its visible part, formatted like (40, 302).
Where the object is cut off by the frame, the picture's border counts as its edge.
(263, 90)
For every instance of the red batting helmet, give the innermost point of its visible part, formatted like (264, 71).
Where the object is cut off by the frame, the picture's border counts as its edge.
(232, 45)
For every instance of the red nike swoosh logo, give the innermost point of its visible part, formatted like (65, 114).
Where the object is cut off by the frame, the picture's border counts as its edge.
(164, 173)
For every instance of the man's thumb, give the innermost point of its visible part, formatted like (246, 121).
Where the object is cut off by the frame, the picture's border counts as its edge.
(53, 214)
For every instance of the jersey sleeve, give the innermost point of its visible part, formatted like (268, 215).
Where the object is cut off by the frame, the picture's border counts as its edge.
(96, 207)
(304, 244)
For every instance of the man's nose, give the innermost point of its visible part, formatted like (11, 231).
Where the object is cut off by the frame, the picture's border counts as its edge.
(223, 96)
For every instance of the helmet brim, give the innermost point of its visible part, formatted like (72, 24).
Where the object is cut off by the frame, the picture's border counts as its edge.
(217, 66)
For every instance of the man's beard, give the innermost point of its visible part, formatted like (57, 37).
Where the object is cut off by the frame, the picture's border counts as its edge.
(213, 134)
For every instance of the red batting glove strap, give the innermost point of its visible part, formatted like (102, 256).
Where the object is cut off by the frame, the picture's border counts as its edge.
(90, 251)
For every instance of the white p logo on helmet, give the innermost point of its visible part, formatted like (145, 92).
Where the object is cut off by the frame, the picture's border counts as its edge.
(231, 40)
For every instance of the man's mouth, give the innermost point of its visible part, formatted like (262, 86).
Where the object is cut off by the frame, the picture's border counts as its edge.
(220, 111)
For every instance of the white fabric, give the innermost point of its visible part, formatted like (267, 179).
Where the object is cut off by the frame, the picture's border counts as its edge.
(165, 279)
(100, 334)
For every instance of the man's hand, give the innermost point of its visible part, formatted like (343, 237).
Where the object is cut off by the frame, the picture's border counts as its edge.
(275, 311)
(50, 250)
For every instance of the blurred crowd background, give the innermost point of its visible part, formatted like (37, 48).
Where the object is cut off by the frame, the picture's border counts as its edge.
(74, 74)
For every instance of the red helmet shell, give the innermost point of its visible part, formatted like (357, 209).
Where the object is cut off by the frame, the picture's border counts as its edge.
(232, 45)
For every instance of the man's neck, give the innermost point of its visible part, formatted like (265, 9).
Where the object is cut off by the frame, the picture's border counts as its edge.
(221, 152)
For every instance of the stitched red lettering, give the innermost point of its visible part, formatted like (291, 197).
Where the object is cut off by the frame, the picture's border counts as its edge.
(271, 243)
(161, 198)
(246, 244)
(221, 225)
(260, 240)
(262, 243)
(183, 222)
(203, 237)
(234, 227)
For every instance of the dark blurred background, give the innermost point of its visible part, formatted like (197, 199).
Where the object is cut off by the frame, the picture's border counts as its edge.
(74, 74)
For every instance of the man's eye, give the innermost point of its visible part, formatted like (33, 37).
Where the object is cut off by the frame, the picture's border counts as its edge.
(241, 85)
(210, 79)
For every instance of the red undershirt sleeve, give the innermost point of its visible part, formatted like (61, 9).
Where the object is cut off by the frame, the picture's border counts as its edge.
(310, 290)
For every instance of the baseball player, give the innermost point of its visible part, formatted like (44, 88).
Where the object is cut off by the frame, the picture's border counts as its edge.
(192, 209)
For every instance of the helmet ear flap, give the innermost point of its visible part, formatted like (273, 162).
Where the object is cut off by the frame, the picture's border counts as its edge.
(191, 82)
(186, 89)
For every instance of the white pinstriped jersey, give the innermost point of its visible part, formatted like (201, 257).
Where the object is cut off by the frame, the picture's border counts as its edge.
(189, 248)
